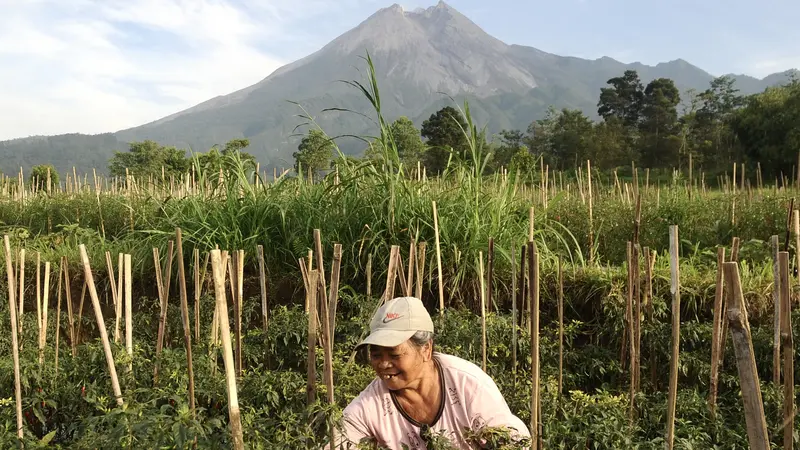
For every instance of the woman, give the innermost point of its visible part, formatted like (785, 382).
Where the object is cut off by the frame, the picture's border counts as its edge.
(420, 393)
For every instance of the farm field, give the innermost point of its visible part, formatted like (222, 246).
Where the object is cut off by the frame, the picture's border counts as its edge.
(373, 213)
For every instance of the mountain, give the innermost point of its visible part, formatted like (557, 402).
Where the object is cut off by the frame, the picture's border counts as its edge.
(418, 56)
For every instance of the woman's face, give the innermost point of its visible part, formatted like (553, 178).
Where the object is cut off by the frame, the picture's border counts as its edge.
(400, 367)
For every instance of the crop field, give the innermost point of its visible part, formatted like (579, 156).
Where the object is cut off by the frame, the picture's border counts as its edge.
(222, 309)
(120, 277)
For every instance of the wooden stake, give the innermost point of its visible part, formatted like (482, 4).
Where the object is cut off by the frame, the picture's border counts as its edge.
(311, 298)
(227, 354)
(438, 259)
(187, 333)
(101, 326)
(483, 312)
(788, 352)
(560, 327)
(716, 338)
(676, 318)
(745, 360)
(129, 310)
(776, 299)
(12, 308)
(43, 328)
(533, 293)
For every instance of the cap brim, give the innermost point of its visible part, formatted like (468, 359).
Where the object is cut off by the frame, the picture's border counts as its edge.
(386, 338)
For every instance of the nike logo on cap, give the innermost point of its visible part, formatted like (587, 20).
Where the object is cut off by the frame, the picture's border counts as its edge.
(390, 317)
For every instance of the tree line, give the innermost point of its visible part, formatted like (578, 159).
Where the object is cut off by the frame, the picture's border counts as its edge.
(652, 126)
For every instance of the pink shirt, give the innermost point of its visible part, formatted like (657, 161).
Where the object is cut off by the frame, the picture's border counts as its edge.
(471, 400)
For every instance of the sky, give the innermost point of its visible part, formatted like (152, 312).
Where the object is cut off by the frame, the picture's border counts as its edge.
(94, 66)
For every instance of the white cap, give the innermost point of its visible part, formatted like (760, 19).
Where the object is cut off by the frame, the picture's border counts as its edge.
(396, 321)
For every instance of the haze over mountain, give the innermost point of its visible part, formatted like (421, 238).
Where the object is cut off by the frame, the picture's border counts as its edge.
(418, 55)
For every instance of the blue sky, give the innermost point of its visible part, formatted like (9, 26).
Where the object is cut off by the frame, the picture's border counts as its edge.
(93, 66)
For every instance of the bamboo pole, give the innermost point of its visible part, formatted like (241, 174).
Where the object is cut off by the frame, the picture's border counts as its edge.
(438, 259)
(45, 305)
(311, 296)
(21, 296)
(262, 278)
(120, 276)
(128, 310)
(676, 305)
(227, 354)
(420, 267)
(70, 318)
(745, 360)
(187, 333)
(163, 313)
(788, 352)
(333, 298)
(560, 327)
(533, 293)
(12, 308)
(776, 299)
(483, 311)
(717, 333)
(514, 314)
(238, 309)
(58, 311)
(101, 326)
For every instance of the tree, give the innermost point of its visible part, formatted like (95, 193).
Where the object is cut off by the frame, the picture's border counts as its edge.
(144, 159)
(39, 174)
(212, 161)
(659, 116)
(511, 142)
(314, 153)
(623, 100)
(570, 139)
(718, 104)
(407, 139)
(444, 131)
(767, 128)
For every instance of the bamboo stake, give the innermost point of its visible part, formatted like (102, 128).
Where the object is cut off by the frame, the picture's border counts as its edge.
(128, 310)
(776, 299)
(420, 266)
(745, 360)
(45, 305)
(788, 352)
(483, 312)
(21, 287)
(533, 293)
(412, 259)
(796, 228)
(68, 290)
(333, 298)
(101, 326)
(490, 272)
(38, 294)
(162, 316)
(514, 314)
(717, 333)
(676, 311)
(58, 310)
(12, 308)
(560, 328)
(187, 336)
(438, 259)
(262, 278)
(120, 276)
(227, 354)
(591, 226)
(238, 309)
(311, 296)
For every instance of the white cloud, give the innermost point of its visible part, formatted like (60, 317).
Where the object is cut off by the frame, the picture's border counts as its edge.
(94, 66)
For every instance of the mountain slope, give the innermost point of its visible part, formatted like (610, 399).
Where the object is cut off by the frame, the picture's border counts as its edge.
(418, 56)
